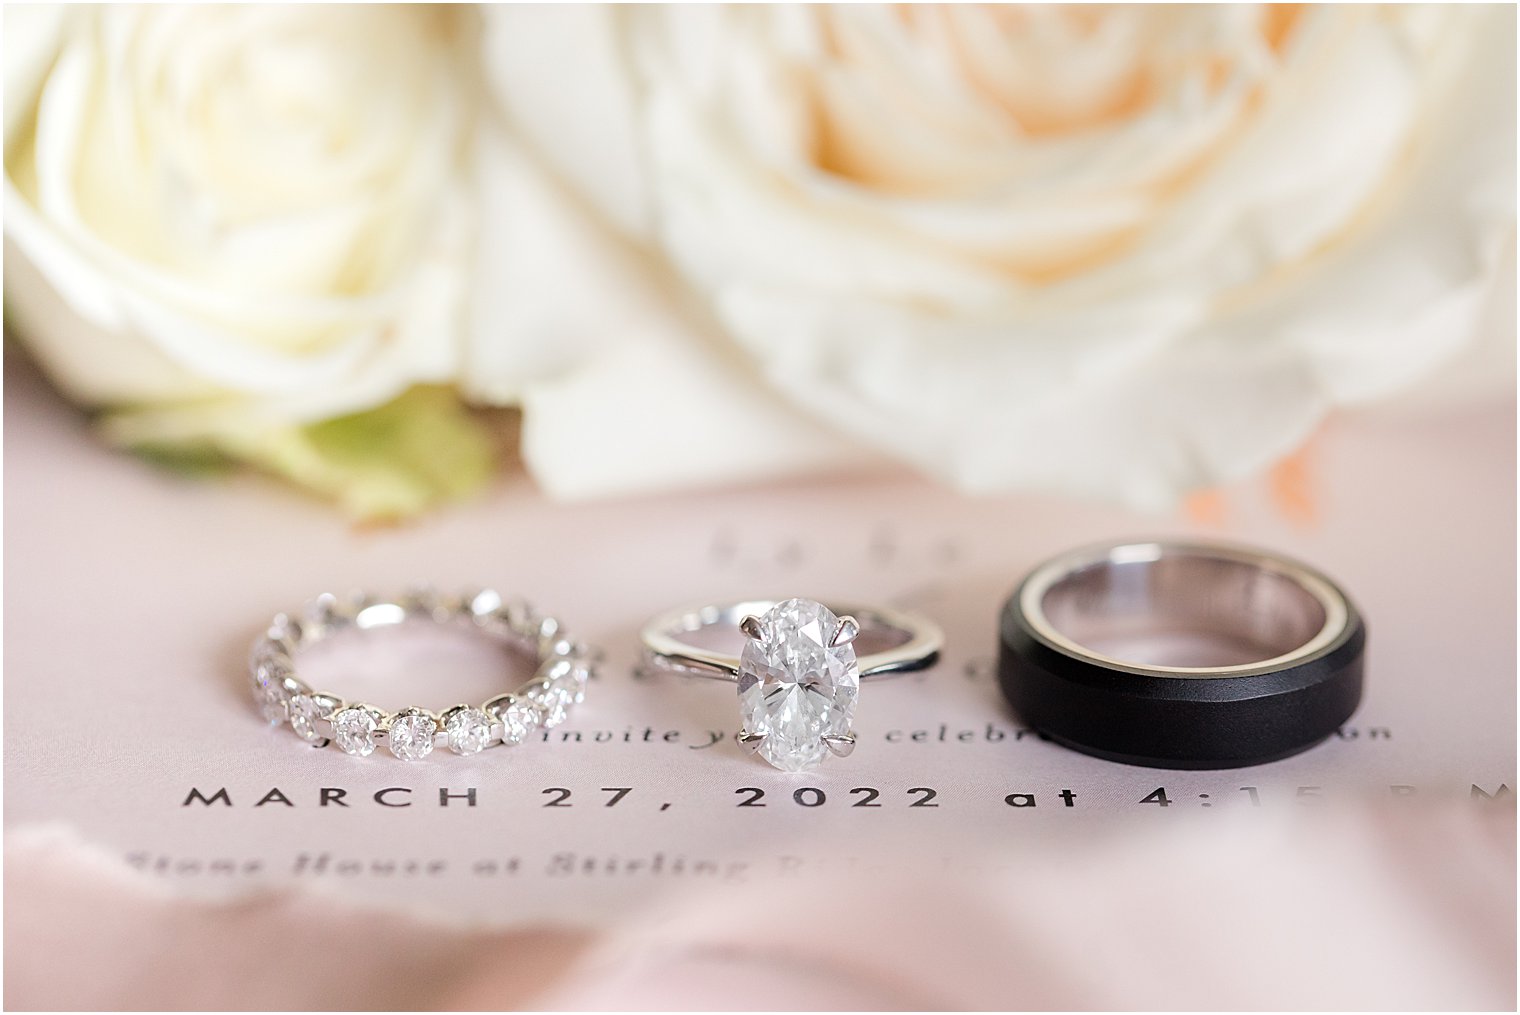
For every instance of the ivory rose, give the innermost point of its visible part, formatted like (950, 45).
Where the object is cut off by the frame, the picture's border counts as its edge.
(226, 223)
(1118, 252)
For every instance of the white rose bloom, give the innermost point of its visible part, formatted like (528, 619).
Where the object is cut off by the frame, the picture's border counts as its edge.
(1117, 252)
(224, 222)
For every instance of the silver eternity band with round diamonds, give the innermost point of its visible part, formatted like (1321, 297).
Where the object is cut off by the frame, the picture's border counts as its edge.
(563, 668)
(799, 673)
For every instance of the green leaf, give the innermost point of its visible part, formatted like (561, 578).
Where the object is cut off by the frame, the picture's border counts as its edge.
(384, 464)
(196, 460)
(388, 463)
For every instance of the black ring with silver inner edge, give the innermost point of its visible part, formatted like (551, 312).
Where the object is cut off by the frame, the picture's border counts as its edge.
(1181, 654)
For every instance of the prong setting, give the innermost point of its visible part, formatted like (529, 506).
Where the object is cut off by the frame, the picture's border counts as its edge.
(848, 630)
(840, 745)
(563, 668)
(752, 628)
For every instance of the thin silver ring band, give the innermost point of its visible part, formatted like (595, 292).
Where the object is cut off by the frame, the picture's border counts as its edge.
(664, 647)
(563, 667)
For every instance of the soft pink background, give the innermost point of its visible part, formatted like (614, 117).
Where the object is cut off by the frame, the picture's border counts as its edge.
(131, 597)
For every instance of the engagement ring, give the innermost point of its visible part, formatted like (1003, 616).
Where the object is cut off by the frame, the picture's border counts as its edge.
(799, 673)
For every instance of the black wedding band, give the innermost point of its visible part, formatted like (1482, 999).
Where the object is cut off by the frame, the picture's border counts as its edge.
(1181, 654)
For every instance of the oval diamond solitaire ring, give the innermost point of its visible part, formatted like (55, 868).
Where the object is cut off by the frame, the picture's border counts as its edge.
(800, 668)
(564, 666)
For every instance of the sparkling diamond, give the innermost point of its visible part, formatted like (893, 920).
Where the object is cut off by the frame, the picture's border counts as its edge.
(271, 701)
(483, 604)
(269, 692)
(469, 731)
(554, 698)
(304, 711)
(571, 675)
(411, 735)
(518, 720)
(270, 671)
(268, 653)
(794, 687)
(561, 683)
(354, 729)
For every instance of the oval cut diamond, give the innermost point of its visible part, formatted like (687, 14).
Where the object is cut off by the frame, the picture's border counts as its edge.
(795, 686)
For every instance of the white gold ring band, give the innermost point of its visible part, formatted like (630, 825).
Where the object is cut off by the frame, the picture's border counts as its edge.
(563, 668)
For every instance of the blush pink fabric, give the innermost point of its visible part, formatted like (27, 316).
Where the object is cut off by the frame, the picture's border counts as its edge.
(1399, 907)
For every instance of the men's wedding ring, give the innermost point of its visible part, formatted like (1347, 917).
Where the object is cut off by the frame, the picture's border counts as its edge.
(563, 669)
(1182, 653)
(800, 668)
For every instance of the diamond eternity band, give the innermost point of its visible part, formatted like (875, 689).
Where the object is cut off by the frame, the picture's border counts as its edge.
(563, 669)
